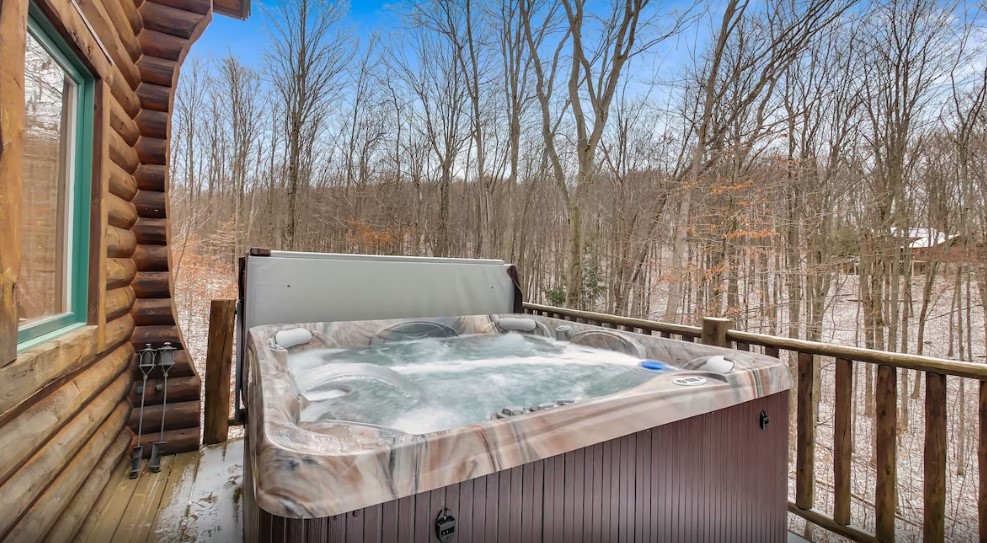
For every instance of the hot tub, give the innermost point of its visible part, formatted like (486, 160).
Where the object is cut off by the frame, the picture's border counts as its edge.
(509, 428)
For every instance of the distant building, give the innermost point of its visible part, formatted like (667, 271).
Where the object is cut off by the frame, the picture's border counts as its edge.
(926, 245)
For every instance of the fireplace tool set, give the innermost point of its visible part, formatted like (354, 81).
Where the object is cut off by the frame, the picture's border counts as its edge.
(147, 359)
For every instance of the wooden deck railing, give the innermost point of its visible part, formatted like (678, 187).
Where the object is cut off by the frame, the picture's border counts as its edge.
(838, 519)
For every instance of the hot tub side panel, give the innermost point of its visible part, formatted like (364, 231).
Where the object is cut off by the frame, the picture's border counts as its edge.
(713, 477)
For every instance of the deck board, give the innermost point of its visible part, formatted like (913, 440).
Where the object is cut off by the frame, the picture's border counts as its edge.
(177, 496)
(138, 518)
(195, 497)
(214, 512)
(109, 508)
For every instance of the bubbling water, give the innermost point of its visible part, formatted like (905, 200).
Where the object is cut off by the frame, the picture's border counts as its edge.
(429, 385)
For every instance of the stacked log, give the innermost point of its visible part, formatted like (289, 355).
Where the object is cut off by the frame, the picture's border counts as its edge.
(66, 406)
(168, 29)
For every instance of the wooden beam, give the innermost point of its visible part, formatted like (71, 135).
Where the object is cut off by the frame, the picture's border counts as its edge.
(170, 20)
(13, 29)
(842, 441)
(116, 11)
(175, 441)
(157, 334)
(131, 11)
(119, 330)
(49, 506)
(120, 272)
(971, 370)
(67, 524)
(120, 243)
(123, 123)
(99, 214)
(150, 311)
(820, 519)
(118, 302)
(152, 150)
(23, 487)
(155, 97)
(36, 368)
(887, 438)
(161, 45)
(179, 415)
(153, 124)
(158, 71)
(123, 153)
(982, 464)
(805, 440)
(239, 9)
(150, 203)
(28, 431)
(151, 258)
(112, 40)
(151, 231)
(200, 7)
(219, 357)
(180, 389)
(934, 499)
(120, 213)
(153, 285)
(122, 184)
(715, 331)
(152, 177)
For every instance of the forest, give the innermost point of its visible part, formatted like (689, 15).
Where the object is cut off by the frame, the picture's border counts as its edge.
(808, 168)
(740, 159)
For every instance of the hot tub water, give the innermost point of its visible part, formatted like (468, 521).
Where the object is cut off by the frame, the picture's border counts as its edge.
(434, 384)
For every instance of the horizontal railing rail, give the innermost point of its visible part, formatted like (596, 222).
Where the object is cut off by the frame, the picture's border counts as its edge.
(689, 333)
(807, 353)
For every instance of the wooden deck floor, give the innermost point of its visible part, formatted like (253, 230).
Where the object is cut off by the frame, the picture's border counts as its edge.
(195, 497)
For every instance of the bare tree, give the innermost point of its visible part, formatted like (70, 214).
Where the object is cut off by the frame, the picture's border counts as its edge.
(309, 55)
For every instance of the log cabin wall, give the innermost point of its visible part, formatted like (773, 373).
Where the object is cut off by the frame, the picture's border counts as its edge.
(66, 405)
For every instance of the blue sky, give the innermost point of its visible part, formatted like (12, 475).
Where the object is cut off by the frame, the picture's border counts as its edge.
(248, 39)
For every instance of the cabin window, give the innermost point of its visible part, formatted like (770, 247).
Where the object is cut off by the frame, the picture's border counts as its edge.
(52, 292)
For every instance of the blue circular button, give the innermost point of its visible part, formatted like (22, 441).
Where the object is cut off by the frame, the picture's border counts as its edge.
(653, 365)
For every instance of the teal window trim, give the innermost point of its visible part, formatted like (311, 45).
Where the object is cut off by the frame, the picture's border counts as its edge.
(77, 269)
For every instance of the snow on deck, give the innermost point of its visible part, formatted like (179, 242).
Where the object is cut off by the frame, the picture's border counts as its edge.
(195, 497)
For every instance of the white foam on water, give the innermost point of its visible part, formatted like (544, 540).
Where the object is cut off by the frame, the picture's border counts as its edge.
(428, 385)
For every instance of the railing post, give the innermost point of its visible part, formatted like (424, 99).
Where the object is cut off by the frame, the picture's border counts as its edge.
(842, 441)
(715, 331)
(219, 356)
(934, 517)
(982, 463)
(805, 434)
(887, 441)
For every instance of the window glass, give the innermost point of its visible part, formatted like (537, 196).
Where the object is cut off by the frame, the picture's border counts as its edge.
(44, 290)
(56, 171)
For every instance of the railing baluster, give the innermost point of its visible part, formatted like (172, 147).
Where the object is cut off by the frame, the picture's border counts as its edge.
(982, 463)
(934, 518)
(741, 346)
(842, 441)
(887, 437)
(771, 351)
(805, 441)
